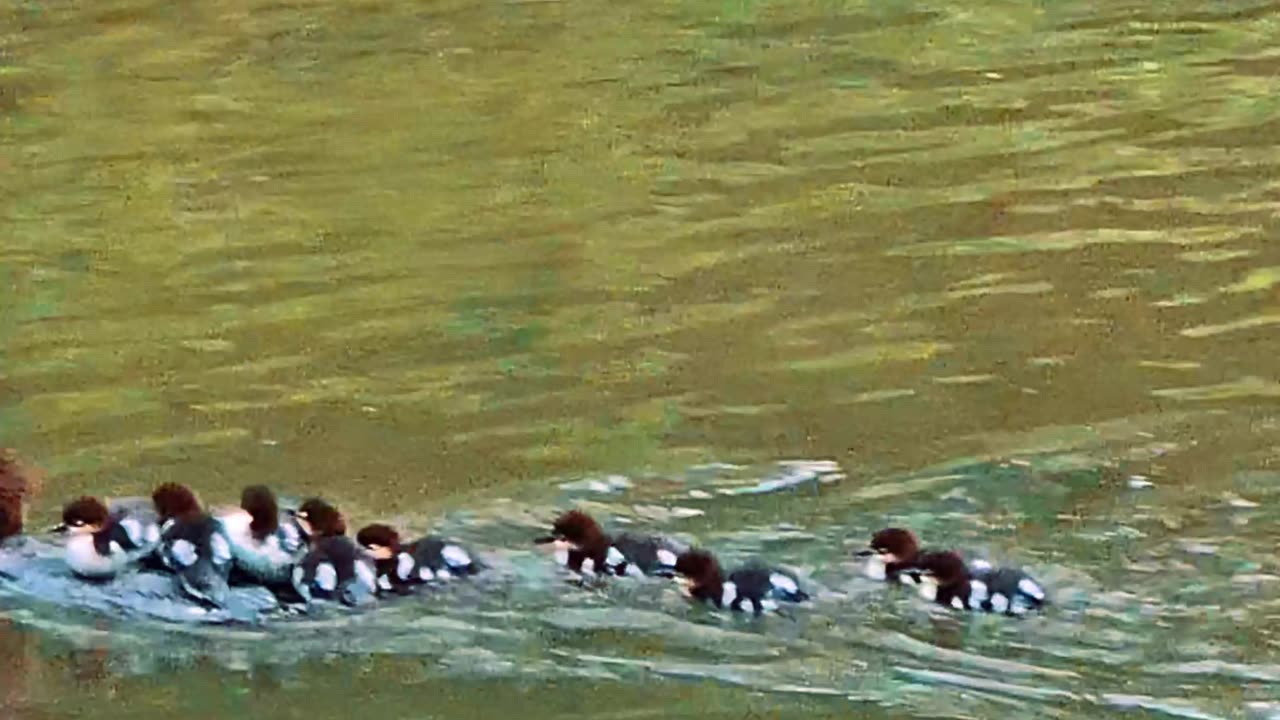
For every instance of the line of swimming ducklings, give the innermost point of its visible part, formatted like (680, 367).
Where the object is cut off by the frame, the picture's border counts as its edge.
(304, 553)
(893, 555)
(300, 553)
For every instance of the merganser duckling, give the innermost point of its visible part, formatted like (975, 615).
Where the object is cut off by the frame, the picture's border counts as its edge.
(896, 556)
(948, 581)
(761, 586)
(16, 482)
(193, 545)
(400, 565)
(266, 543)
(891, 552)
(317, 518)
(334, 567)
(104, 542)
(581, 546)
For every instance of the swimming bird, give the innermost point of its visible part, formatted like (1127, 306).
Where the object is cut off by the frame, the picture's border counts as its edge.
(948, 581)
(17, 482)
(193, 545)
(334, 566)
(266, 543)
(400, 565)
(891, 552)
(758, 585)
(103, 542)
(583, 547)
(895, 555)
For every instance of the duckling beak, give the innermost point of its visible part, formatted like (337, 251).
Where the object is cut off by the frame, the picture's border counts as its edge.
(60, 528)
(544, 540)
(865, 552)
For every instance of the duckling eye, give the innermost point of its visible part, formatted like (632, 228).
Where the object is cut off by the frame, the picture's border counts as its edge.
(77, 523)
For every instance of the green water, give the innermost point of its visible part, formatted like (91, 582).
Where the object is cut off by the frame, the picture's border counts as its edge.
(434, 260)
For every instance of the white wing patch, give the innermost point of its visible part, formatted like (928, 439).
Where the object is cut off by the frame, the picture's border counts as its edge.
(1031, 589)
(615, 556)
(290, 540)
(999, 603)
(404, 565)
(425, 574)
(666, 557)
(115, 549)
(588, 567)
(729, 594)
(221, 549)
(456, 556)
(326, 577)
(443, 574)
(980, 565)
(957, 603)
(633, 570)
(183, 552)
(782, 583)
(768, 605)
(562, 556)
(384, 582)
(133, 529)
(977, 592)
(153, 533)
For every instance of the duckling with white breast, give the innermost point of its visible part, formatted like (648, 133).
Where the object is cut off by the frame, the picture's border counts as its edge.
(948, 581)
(104, 543)
(266, 543)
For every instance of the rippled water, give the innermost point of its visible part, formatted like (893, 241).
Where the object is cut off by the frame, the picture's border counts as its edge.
(1006, 265)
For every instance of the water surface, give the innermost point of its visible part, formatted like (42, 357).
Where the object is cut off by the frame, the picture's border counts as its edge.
(1005, 264)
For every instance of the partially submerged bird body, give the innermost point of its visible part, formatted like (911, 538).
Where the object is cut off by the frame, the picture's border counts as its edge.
(584, 548)
(334, 567)
(948, 581)
(754, 585)
(193, 545)
(401, 565)
(266, 543)
(104, 541)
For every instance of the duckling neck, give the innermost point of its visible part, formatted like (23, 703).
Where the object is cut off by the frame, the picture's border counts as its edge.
(710, 587)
